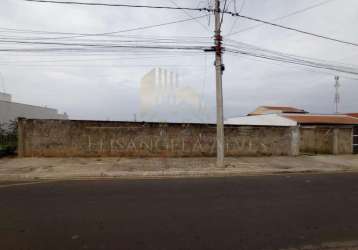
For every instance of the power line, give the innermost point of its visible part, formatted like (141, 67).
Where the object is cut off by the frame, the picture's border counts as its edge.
(161, 47)
(103, 46)
(235, 21)
(281, 17)
(308, 69)
(95, 52)
(129, 30)
(103, 65)
(31, 31)
(222, 16)
(297, 62)
(255, 49)
(120, 5)
(291, 29)
(189, 15)
(236, 14)
(242, 45)
(141, 37)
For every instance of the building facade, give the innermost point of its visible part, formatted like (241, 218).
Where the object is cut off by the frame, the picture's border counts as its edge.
(317, 133)
(11, 111)
(164, 99)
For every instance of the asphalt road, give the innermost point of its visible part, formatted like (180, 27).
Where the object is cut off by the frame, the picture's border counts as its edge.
(267, 212)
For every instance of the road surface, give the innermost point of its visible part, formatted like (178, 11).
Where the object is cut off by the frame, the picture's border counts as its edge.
(263, 212)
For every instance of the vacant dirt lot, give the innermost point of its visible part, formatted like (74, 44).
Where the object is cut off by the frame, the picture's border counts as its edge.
(63, 168)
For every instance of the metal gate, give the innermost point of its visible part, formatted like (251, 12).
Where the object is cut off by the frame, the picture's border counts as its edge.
(355, 140)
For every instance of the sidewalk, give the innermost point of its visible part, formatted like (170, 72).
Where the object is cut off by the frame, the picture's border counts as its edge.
(76, 168)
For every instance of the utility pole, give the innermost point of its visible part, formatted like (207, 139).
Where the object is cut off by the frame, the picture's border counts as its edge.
(219, 89)
(337, 97)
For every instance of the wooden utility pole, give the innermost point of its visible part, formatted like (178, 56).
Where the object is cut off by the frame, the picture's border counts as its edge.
(219, 89)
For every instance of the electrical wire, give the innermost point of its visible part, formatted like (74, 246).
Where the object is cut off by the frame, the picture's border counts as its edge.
(236, 19)
(129, 30)
(291, 29)
(222, 15)
(235, 14)
(103, 45)
(297, 62)
(256, 49)
(191, 16)
(281, 17)
(119, 5)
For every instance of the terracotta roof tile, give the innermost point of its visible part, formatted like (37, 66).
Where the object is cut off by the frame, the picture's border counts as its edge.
(284, 109)
(353, 115)
(323, 119)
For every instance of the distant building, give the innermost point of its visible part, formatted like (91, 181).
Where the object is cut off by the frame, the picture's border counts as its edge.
(318, 133)
(318, 119)
(10, 111)
(264, 110)
(353, 114)
(5, 97)
(262, 120)
(164, 99)
(292, 120)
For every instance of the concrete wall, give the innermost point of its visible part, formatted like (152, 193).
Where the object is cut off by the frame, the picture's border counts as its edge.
(10, 111)
(326, 140)
(51, 138)
(99, 138)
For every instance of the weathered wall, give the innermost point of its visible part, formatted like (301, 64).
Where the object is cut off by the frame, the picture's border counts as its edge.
(345, 141)
(321, 140)
(98, 138)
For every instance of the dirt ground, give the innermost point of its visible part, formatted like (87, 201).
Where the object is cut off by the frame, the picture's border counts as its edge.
(64, 168)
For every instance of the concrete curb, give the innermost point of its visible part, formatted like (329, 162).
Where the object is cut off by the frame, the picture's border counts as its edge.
(168, 175)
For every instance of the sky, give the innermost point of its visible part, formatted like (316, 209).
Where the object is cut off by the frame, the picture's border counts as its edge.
(104, 85)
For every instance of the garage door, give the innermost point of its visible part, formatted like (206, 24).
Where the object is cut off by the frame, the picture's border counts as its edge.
(355, 140)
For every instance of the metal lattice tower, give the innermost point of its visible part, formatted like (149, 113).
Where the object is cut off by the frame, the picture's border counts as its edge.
(337, 97)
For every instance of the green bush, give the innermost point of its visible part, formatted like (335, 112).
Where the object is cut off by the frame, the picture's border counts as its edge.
(8, 139)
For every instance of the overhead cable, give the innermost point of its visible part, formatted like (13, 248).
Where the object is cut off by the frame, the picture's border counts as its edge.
(119, 5)
(76, 45)
(280, 17)
(291, 29)
(297, 62)
(236, 14)
(128, 30)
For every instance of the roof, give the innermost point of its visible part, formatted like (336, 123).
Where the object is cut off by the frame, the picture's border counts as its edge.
(262, 120)
(289, 120)
(353, 114)
(285, 109)
(322, 119)
(261, 110)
